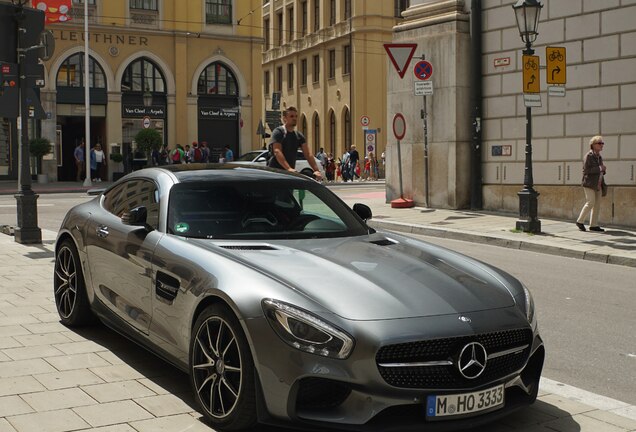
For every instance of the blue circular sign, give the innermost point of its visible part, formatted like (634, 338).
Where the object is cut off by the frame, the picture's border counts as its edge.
(423, 70)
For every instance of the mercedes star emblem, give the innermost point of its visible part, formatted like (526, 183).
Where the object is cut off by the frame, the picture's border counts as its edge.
(472, 360)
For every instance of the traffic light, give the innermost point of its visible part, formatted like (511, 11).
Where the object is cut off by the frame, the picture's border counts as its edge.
(28, 44)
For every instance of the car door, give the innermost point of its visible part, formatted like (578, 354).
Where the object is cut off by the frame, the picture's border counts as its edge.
(120, 255)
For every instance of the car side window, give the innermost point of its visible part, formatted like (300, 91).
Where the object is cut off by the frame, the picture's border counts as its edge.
(132, 194)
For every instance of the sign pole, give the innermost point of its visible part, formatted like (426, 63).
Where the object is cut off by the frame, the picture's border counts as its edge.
(425, 120)
(87, 102)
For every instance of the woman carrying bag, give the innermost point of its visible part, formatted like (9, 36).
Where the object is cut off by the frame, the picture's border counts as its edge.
(593, 185)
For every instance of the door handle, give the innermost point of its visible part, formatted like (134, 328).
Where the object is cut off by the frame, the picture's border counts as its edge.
(102, 231)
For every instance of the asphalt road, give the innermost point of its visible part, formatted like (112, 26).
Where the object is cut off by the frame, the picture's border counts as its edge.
(585, 309)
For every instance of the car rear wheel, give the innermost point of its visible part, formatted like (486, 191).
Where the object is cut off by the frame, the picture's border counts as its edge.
(70, 288)
(222, 370)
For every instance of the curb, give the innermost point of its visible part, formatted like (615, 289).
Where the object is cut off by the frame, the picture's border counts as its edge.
(502, 242)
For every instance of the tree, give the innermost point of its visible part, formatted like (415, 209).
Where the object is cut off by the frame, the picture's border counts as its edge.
(39, 147)
(147, 140)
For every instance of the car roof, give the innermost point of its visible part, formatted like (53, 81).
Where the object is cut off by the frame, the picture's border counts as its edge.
(223, 172)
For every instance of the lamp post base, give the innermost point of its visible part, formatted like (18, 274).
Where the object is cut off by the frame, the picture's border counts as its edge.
(528, 204)
(27, 230)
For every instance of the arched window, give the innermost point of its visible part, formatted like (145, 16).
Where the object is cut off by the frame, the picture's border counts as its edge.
(143, 75)
(316, 131)
(332, 131)
(347, 128)
(217, 79)
(303, 125)
(71, 72)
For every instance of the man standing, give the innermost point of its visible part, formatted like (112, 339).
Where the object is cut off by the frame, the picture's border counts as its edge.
(322, 157)
(354, 157)
(79, 160)
(285, 142)
(229, 154)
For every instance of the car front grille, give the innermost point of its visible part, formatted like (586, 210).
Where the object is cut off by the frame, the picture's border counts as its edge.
(447, 376)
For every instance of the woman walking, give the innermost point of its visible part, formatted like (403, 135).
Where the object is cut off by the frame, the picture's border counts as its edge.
(593, 185)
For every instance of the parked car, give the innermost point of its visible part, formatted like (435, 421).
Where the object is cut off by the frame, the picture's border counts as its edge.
(285, 307)
(259, 157)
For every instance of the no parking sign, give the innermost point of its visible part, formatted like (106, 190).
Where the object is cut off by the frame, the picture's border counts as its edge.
(370, 138)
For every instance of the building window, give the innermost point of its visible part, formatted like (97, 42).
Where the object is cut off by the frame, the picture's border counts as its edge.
(266, 83)
(290, 76)
(217, 79)
(279, 78)
(316, 15)
(142, 75)
(279, 32)
(303, 72)
(332, 12)
(303, 10)
(332, 64)
(332, 132)
(218, 11)
(401, 6)
(347, 128)
(266, 34)
(290, 29)
(71, 72)
(144, 4)
(316, 132)
(303, 125)
(346, 59)
(347, 9)
(316, 68)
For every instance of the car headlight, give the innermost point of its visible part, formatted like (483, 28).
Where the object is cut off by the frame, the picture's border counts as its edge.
(529, 306)
(306, 332)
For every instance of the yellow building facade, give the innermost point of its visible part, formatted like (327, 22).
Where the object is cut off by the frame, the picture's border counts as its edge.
(190, 69)
(326, 58)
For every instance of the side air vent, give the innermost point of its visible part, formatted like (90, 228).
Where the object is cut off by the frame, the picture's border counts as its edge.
(384, 242)
(248, 247)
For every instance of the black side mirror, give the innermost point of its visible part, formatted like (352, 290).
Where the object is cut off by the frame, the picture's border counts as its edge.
(136, 217)
(363, 211)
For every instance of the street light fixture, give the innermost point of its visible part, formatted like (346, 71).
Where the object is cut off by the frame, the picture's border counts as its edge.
(527, 14)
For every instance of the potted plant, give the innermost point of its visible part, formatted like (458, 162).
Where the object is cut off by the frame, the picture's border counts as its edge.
(147, 140)
(117, 158)
(40, 147)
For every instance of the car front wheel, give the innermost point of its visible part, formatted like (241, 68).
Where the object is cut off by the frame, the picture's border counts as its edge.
(70, 288)
(222, 370)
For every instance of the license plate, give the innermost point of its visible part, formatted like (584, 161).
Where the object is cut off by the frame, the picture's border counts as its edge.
(464, 403)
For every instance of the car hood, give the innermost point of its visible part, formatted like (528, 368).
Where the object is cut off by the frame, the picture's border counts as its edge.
(373, 278)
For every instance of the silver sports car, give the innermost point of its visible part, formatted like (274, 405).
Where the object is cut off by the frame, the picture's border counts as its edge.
(284, 307)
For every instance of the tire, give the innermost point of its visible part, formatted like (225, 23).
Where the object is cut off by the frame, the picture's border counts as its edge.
(222, 370)
(70, 287)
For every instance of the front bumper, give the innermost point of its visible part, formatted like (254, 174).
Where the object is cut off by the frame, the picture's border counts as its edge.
(318, 393)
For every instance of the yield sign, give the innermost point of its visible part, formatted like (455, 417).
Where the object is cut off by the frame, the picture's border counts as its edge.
(400, 55)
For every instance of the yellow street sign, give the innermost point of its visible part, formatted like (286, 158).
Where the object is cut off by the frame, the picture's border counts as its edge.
(555, 59)
(531, 75)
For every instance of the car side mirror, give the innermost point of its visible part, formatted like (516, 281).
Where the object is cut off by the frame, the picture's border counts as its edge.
(363, 211)
(136, 217)
(261, 159)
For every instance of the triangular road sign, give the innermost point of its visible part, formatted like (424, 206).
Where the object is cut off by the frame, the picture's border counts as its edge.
(400, 55)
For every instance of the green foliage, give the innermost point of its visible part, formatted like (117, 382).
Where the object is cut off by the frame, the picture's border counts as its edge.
(116, 157)
(39, 147)
(148, 139)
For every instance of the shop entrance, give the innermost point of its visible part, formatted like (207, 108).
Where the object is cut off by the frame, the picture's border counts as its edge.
(73, 128)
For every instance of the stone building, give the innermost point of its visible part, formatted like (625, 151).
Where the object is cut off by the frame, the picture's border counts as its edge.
(599, 98)
(190, 69)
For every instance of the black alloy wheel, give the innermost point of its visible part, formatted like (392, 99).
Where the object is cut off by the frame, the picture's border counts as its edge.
(222, 370)
(70, 288)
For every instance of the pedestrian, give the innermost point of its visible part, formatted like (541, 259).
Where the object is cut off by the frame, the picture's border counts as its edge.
(177, 155)
(285, 142)
(322, 157)
(98, 162)
(354, 158)
(78, 154)
(229, 154)
(188, 154)
(206, 152)
(330, 168)
(593, 185)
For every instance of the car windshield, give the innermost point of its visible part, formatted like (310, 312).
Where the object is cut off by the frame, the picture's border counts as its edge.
(248, 157)
(259, 210)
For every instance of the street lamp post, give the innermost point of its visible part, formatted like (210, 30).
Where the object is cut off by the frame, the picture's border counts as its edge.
(527, 14)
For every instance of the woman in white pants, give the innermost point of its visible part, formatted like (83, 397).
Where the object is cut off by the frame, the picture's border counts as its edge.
(593, 185)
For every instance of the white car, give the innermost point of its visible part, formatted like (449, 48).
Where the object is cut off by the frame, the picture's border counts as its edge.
(259, 157)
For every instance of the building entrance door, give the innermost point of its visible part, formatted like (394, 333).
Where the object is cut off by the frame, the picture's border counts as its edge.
(73, 128)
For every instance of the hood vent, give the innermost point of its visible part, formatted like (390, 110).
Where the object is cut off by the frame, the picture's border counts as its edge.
(248, 247)
(384, 242)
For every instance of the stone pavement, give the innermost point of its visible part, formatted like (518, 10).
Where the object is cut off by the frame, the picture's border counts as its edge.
(56, 379)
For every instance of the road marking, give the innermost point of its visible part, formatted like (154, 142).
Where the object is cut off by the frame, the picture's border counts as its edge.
(15, 205)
